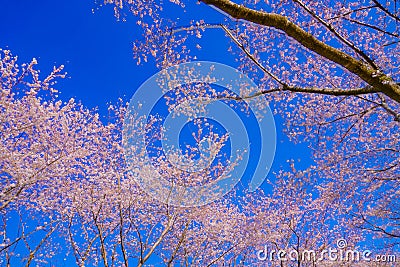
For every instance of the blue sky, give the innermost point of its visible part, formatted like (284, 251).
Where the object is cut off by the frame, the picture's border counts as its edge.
(95, 49)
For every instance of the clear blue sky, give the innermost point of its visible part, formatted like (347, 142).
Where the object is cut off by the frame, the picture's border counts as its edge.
(95, 48)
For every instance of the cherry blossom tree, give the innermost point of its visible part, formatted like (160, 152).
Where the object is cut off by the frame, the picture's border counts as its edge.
(66, 195)
(329, 68)
(45, 145)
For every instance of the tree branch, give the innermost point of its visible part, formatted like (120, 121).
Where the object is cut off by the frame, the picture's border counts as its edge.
(372, 27)
(385, 10)
(311, 90)
(340, 37)
(374, 78)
